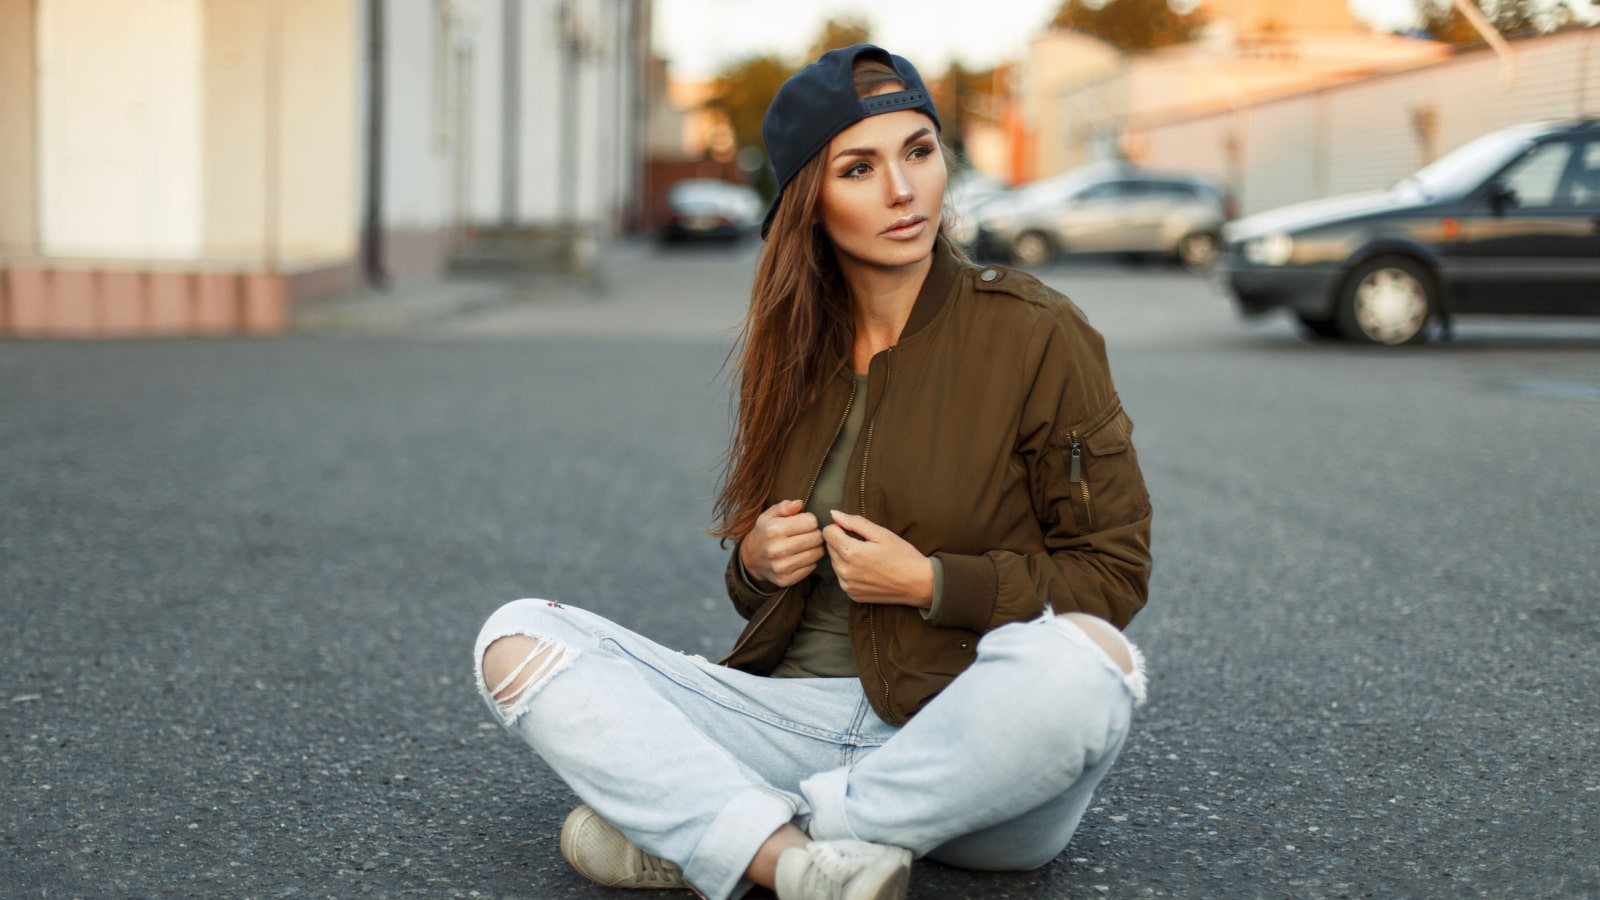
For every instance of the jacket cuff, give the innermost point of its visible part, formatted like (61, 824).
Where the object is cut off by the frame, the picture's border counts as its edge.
(746, 599)
(744, 577)
(932, 612)
(971, 586)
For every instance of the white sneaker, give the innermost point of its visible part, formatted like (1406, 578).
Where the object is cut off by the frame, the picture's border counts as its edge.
(843, 870)
(601, 854)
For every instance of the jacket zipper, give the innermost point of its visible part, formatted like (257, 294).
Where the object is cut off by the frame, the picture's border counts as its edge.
(845, 416)
(866, 451)
(1076, 451)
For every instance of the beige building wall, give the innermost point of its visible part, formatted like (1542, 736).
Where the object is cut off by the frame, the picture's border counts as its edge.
(281, 126)
(1368, 134)
(119, 128)
(197, 163)
(319, 130)
(1083, 98)
(1074, 88)
(235, 137)
(18, 165)
(1258, 16)
(989, 149)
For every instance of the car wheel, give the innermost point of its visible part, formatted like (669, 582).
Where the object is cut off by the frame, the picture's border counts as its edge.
(1387, 300)
(1198, 251)
(1320, 329)
(1031, 248)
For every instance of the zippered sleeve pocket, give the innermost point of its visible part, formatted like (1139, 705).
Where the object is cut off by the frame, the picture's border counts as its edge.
(1104, 486)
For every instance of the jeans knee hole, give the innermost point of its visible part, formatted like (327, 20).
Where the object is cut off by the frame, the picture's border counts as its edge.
(516, 666)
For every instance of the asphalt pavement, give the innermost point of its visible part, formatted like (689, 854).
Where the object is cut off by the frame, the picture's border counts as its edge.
(240, 580)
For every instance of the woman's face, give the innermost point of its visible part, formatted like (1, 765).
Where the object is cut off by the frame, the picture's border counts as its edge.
(883, 189)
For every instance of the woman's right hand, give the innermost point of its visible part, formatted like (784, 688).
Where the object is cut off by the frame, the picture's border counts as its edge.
(784, 546)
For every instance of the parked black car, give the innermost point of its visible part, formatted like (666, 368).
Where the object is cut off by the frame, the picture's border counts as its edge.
(1508, 224)
(710, 209)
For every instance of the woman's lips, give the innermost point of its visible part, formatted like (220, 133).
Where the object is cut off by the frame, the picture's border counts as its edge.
(909, 228)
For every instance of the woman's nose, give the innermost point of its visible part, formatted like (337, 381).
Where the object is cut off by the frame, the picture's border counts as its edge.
(899, 185)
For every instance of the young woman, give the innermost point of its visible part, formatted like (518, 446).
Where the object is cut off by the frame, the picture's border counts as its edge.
(940, 527)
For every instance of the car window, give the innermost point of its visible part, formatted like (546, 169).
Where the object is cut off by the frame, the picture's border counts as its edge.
(1533, 179)
(1173, 192)
(1466, 167)
(1583, 189)
(1107, 192)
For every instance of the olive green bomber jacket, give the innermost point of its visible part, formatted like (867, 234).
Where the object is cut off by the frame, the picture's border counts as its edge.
(994, 439)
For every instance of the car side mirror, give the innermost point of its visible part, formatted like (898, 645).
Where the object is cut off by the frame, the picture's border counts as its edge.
(1501, 196)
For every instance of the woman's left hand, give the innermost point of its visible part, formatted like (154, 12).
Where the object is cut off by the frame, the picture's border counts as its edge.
(875, 565)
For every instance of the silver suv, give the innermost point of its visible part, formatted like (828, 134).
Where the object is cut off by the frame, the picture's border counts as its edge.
(1107, 208)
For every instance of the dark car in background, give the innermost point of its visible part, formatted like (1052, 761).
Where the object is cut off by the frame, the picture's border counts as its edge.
(710, 209)
(1107, 207)
(1507, 224)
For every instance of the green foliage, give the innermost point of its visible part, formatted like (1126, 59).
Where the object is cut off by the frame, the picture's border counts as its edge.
(965, 97)
(1130, 24)
(744, 89)
(844, 31)
(1512, 18)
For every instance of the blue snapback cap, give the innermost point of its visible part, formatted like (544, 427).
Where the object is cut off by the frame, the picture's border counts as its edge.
(819, 101)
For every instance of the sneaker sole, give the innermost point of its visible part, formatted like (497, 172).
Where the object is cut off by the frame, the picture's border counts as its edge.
(569, 836)
(894, 884)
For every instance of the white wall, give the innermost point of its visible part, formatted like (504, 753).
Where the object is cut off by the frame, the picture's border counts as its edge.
(120, 128)
(487, 139)
(1363, 135)
(539, 140)
(415, 170)
(587, 163)
(444, 163)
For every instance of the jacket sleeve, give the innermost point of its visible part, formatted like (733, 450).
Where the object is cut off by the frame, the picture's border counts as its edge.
(1075, 441)
(746, 599)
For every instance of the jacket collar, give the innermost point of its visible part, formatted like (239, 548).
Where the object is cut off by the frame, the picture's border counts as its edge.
(931, 299)
(936, 287)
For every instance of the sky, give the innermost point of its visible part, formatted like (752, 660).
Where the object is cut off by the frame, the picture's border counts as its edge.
(700, 36)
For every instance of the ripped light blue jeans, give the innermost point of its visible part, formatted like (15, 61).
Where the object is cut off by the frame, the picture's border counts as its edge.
(699, 764)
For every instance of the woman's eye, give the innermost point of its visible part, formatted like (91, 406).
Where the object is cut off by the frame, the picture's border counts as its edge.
(856, 171)
(921, 151)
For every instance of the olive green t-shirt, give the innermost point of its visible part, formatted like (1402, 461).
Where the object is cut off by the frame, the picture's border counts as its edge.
(821, 645)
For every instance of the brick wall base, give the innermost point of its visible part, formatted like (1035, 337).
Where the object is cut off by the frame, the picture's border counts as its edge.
(51, 299)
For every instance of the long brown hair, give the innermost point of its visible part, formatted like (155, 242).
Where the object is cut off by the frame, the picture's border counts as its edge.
(796, 335)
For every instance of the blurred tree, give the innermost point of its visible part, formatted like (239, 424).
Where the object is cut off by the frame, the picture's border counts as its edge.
(1130, 24)
(840, 32)
(1512, 18)
(965, 97)
(743, 91)
(948, 91)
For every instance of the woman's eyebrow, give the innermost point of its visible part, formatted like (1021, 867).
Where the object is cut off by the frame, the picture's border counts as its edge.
(918, 135)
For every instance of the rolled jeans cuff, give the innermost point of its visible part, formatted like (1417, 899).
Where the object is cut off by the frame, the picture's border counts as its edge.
(825, 791)
(726, 848)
